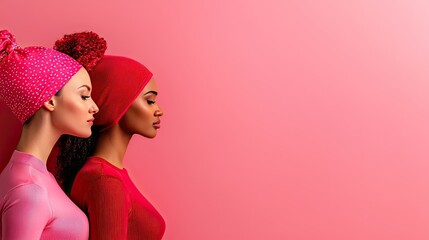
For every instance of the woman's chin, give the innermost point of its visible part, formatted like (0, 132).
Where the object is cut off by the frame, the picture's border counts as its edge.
(82, 134)
(151, 134)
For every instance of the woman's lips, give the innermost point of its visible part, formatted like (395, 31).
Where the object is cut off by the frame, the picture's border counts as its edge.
(91, 121)
(157, 124)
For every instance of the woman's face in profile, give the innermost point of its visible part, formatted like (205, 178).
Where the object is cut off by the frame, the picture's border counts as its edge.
(74, 107)
(143, 116)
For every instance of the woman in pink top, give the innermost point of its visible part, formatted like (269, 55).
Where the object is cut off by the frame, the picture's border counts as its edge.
(49, 93)
(126, 94)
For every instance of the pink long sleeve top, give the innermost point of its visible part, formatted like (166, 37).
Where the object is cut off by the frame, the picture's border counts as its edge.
(33, 206)
(115, 207)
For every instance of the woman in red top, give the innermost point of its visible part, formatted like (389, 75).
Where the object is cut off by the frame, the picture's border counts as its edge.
(126, 95)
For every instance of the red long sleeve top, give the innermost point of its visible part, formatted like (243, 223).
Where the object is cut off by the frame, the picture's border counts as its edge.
(115, 207)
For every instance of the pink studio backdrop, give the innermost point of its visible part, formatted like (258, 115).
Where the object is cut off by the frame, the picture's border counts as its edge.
(284, 119)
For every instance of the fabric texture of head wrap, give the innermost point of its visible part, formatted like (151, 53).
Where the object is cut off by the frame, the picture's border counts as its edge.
(30, 76)
(117, 82)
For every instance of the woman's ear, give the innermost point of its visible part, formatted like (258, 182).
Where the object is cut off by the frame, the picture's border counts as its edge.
(50, 104)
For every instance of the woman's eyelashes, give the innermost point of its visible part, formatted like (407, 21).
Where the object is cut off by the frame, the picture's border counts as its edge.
(85, 97)
(150, 102)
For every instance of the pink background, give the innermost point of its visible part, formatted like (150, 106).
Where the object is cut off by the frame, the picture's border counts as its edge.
(284, 119)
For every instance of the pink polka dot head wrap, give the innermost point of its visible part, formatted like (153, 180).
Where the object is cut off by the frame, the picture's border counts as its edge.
(30, 76)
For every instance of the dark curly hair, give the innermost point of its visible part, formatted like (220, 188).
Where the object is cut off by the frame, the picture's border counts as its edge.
(88, 49)
(73, 154)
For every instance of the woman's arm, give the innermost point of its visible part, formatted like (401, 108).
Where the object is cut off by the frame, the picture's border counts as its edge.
(108, 208)
(26, 212)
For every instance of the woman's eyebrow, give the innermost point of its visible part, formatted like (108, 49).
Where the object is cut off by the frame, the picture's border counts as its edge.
(153, 92)
(88, 87)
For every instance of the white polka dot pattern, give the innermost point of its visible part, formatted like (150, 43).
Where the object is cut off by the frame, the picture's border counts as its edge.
(30, 76)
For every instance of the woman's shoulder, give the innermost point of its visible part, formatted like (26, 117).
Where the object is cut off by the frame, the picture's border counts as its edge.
(96, 168)
(97, 177)
(29, 195)
(23, 175)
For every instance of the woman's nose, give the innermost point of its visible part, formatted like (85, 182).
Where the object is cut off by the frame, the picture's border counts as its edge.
(159, 112)
(94, 108)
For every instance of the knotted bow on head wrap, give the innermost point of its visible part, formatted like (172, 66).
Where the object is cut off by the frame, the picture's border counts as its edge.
(117, 81)
(7, 44)
(30, 76)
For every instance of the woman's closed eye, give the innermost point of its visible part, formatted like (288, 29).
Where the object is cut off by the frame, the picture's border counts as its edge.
(85, 97)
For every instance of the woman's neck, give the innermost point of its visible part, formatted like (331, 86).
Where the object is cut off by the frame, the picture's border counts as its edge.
(38, 138)
(112, 144)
